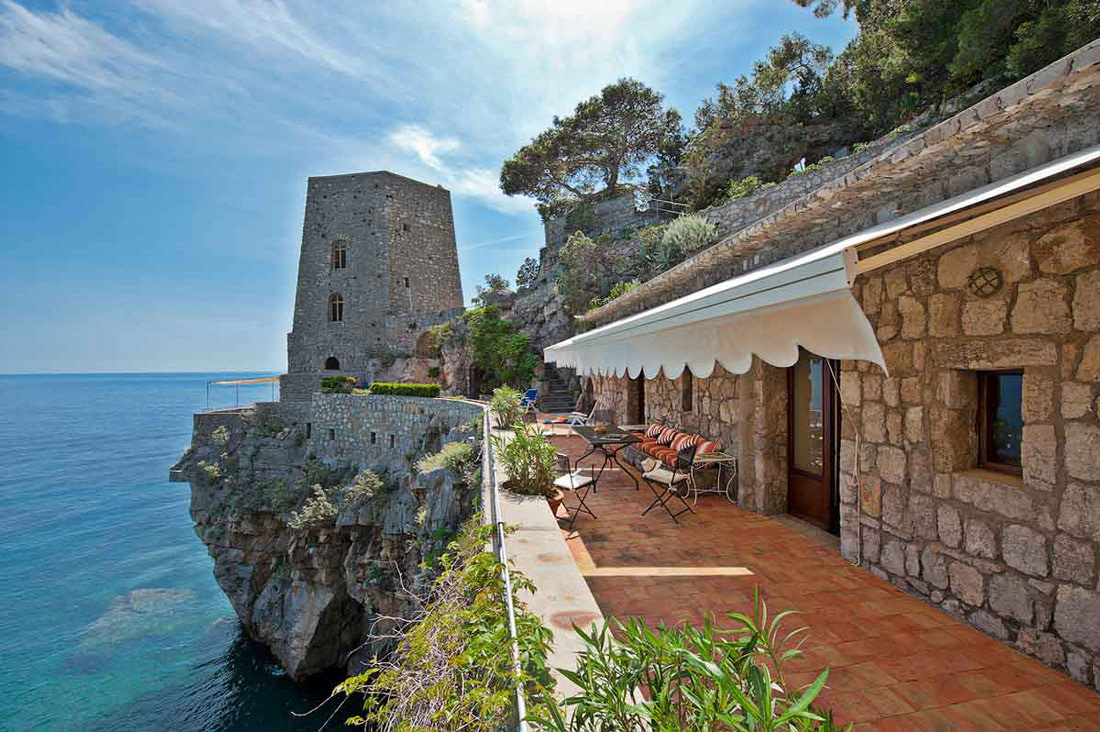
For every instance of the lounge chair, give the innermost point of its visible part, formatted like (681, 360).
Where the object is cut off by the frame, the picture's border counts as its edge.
(573, 418)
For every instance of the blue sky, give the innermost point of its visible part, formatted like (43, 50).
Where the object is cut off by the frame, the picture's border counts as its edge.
(155, 152)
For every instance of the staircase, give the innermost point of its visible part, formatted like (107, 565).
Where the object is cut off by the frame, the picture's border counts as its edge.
(557, 399)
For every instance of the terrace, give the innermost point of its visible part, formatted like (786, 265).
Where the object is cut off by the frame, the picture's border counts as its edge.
(895, 662)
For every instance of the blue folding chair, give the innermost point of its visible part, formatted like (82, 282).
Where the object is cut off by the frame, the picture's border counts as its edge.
(530, 397)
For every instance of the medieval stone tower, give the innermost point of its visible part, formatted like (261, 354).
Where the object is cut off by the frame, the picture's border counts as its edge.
(378, 267)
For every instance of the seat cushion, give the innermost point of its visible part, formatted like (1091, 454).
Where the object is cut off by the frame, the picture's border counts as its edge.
(685, 440)
(653, 430)
(667, 435)
(573, 481)
(664, 476)
(708, 446)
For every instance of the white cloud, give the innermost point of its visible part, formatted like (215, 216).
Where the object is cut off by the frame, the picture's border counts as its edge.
(269, 25)
(69, 49)
(419, 140)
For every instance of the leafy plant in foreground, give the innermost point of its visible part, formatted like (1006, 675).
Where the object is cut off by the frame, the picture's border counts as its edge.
(685, 678)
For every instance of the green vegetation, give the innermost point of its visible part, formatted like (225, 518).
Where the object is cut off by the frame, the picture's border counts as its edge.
(528, 272)
(529, 460)
(743, 187)
(433, 372)
(417, 390)
(617, 290)
(503, 355)
(326, 503)
(220, 435)
(686, 678)
(506, 404)
(609, 138)
(689, 234)
(338, 384)
(588, 267)
(495, 284)
(458, 457)
(452, 669)
(317, 509)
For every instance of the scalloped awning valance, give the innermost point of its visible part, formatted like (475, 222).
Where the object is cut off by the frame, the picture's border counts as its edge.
(805, 301)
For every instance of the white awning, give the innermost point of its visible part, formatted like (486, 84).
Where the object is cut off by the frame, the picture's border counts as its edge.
(770, 312)
(804, 301)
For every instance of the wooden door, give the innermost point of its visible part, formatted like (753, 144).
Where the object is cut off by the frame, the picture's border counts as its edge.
(635, 403)
(812, 442)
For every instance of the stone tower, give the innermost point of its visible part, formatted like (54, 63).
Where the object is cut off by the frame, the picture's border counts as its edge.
(378, 267)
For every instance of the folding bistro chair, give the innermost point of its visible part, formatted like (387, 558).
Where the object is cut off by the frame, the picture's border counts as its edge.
(576, 482)
(530, 397)
(668, 484)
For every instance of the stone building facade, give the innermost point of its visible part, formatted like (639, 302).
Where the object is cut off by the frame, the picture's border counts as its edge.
(378, 267)
(1014, 555)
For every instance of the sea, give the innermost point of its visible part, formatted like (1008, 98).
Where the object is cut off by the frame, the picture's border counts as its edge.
(110, 618)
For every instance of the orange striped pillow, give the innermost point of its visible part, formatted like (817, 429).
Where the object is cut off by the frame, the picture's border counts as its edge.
(667, 435)
(685, 440)
(708, 446)
(654, 430)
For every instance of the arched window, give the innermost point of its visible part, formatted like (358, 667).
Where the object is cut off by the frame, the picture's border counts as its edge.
(332, 364)
(336, 308)
(339, 255)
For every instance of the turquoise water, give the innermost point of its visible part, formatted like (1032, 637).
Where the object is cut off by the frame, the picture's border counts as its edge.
(111, 619)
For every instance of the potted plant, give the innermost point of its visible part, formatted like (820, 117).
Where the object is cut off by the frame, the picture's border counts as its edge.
(530, 461)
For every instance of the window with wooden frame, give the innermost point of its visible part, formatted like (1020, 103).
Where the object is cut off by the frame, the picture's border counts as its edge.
(336, 308)
(339, 255)
(687, 391)
(1000, 421)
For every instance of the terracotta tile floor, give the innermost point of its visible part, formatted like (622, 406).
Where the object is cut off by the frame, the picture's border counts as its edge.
(895, 662)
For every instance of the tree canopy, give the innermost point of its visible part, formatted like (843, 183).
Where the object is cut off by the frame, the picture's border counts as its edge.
(607, 140)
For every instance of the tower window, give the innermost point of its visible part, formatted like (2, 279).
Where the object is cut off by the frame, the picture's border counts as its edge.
(404, 227)
(336, 308)
(373, 438)
(331, 433)
(393, 441)
(339, 255)
(406, 283)
(332, 364)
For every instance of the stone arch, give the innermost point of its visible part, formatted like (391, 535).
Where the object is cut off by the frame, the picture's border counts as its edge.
(332, 364)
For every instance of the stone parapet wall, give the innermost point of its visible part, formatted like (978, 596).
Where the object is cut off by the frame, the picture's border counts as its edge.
(1016, 557)
(382, 430)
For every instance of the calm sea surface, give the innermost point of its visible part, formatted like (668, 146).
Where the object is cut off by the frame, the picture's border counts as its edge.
(110, 618)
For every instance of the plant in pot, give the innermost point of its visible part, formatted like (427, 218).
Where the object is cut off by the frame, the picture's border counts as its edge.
(507, 405)
(530, 461)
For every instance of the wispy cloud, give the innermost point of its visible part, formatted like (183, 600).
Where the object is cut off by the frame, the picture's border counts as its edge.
(269, 25)
(426, 146)
(65, 47)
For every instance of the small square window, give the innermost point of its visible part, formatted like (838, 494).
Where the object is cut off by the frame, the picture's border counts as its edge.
(373, 438)
(1000, 420)
(404, 227)
(331, 433)
(406, 283)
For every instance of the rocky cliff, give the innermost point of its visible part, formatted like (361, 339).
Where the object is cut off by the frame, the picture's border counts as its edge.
(317, 582)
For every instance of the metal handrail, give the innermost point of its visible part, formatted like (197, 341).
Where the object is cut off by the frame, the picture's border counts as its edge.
(502, 556)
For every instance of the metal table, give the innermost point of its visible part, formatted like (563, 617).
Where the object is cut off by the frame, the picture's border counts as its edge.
(602, 442)
(722, 462)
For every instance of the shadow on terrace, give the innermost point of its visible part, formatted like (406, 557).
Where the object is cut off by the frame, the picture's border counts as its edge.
(895, 662)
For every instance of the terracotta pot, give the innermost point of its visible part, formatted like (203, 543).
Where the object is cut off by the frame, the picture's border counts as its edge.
(555, 501)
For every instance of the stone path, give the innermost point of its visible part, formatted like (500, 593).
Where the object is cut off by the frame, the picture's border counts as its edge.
(896, 663)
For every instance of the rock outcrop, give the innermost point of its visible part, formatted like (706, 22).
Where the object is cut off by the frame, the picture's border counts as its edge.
(321, 595)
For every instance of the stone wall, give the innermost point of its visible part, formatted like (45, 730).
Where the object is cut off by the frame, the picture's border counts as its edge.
(382, 430)
(401, 276)
(1015, 557)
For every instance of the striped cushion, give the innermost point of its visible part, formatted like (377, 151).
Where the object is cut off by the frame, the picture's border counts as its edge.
(654, 430)
(685, 440)
(667, 435)
(708, 446)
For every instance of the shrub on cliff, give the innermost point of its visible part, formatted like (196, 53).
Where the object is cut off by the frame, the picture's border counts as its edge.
(317, 509)
(689, 234)
(455, 456)
(417, 390)
(453, 666)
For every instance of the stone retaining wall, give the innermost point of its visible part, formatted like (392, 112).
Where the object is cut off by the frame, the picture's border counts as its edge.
(382, 430)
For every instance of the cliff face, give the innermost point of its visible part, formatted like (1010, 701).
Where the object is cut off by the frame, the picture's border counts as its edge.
(316, 593)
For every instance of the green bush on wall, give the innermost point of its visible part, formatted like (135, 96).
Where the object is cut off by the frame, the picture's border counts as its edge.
(419, 390)
(338, 384)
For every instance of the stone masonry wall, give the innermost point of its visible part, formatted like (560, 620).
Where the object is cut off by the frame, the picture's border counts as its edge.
(1015, 557)
(382, 430)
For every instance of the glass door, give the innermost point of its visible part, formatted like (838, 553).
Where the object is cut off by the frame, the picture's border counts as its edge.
(812, 433)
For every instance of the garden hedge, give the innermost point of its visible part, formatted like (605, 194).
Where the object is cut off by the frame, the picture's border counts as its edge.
(419, 390)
